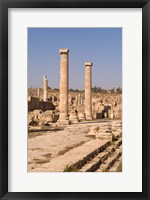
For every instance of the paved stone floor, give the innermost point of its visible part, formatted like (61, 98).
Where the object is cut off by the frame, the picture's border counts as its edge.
(54, 148)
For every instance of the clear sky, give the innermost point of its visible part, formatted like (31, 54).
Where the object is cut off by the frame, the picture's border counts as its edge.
(101, 46)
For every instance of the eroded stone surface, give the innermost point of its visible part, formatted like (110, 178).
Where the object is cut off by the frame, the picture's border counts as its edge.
(62, 146)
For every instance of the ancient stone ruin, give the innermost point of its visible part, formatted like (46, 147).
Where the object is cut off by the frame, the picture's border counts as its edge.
(76, 131)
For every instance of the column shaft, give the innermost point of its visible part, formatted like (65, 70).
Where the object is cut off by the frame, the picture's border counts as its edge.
(45, 89)
(38, 93)
(88, 92)
(64, 82)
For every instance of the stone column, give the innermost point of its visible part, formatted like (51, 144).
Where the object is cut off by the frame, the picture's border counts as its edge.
(88, 92)
(38, 93)
(64, 83)
(53, 99)
(81, 100)
(45, 88)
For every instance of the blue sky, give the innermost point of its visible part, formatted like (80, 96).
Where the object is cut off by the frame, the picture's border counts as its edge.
(101, 46)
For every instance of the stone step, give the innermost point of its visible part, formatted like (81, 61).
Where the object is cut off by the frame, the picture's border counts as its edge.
(117, 165)
(101, 150)
(43, 128)
(110, 161)
(117, 134)
(76, 158)
(94, 164)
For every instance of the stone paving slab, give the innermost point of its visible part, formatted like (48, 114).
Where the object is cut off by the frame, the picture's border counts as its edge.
(44, 146)
(60, 163)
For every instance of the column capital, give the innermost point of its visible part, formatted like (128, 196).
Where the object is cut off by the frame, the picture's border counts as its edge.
(63, 51)
(88, 64)
(45, 77)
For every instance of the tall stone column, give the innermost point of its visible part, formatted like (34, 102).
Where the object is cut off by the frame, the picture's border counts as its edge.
(45, 88)
(64, 83)
(88, 92)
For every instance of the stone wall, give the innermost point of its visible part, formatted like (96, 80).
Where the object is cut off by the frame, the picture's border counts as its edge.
(35, 104)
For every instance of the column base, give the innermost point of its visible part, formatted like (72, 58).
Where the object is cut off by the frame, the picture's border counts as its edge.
(74, 121)
(88, 118)
(63, 122)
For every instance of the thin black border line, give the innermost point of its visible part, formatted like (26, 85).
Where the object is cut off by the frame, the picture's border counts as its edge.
(145, 86)
(4, 5)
